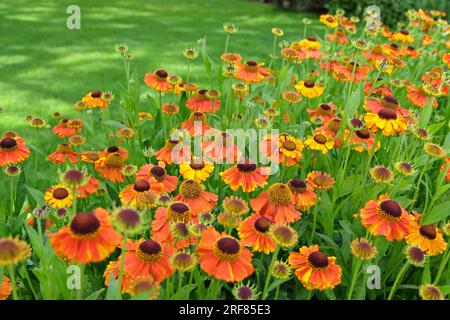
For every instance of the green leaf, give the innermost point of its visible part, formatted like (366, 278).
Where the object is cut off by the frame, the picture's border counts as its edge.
(113, 292)
(95, 295)
(35, 195)
(277, 283)
(437, 213)
(426, 276)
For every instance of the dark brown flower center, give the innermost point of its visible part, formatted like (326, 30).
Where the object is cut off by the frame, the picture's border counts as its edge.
(318, 259)
(74, 176)
(311, 38)
(162, 73)
(158, 171)
(252, 63)
(96, 94)
(325, 106)
(289, 145)
(150, 247)
(320, 138)
(246, 167)
(309, 83)
(129, 217)
(390, 102)
(228, 245)
(244, 293)
(141, 186)
(388, 114)
(179, 207)
(112, 149)
(262, 224)
(84, 223)
(363, 134)
(8, 143)
(297, 185)
(356, 123)
(197, 166)
(391, 208)
(203, 91)
(404, 31)
(428, 231)
(60, 193)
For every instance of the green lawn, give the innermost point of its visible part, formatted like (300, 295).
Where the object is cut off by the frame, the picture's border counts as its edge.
(47, 68)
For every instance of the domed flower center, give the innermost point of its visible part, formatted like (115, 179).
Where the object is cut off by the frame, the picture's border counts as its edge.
(394, 46)
(390, 210)
(297, 185)
(84, 224)
(129, 218)
(114, 160)
(74, 176)
(262, 224)
(8, 249)
(325, 109)
(389, 102)
(334, 124)
(227, 249)
(330, 19)
(428, 231)
(320, 138)
(246, 167)
(198, 116)
(190, 189)
(181, 229)
(149, 251)
(352, 65)
(158, 172)
(202, 91)
(64, 148)
(197, 166)
(113, 149)
(356, 123)
(8, 143)
(244, 293)
(308, 83)
(289, 145)
(405, 32)
(141, 186)
(279, 194)
(363, 134)
(311, 38)
(252, 63)
(60, 193)
(178, 211)
(162, 74)
(318, 260)
(387, 114)
(411, 48)
(96, 94)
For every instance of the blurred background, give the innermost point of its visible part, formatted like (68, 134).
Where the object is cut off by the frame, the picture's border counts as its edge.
(47, 68)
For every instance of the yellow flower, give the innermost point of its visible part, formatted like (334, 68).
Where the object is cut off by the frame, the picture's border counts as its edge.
(309, 89)
(197, 170)
(13, 250)
(387, 121)
(309, 43)
(320, 141)
(428, 238)
(58, 196)
(289, 146)
(329, 20)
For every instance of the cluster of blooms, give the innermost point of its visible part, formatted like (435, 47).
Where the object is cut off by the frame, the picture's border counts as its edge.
(171, 219)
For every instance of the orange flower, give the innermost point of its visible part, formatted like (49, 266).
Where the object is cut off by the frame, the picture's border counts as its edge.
(231, 58)
(338, 36)
(113, 268)
(90, 237)
(315, 269)
(428, 238)
(419, 97)
(5, 288)
(146, 258)
(94, 99)
(63, 152)
(110, 167)
(174, 151)
(376, 54)
(246, 175)
(194, 195)
(251, 72)
(283, 148)
(222, 148)
(386, 218)
(303, 194)
(363, 139)
(446, 164)
(12, 149)
(201, 102)
(88, 188)
(62, 130)
(196, 124)
(164, 217)
(320, 180)
(277, 204)
(223, 257)
(375, 88)
(114, 149)
(387, 101)
(149, 171)
(324, 111)
(254, 232)
(158, 81)
(132, 194)
(351, 72)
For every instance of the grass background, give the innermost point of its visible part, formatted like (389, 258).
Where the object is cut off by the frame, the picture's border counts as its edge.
(47, 68)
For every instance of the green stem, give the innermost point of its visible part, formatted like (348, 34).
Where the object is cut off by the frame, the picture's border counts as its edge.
(355, 273)
(74, 204)
(227, 41)
(13, 281)
(11, 195)
(269, 273)
(80, 292)
(313, 231)
(122, 262)
(27, 275)
(398, 279)
(444, 262)
(416, 193)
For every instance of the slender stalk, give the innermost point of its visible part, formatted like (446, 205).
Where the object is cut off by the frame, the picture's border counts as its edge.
(227, 41)
(122, 261)
(80, 292)
(355, 273)
(36, 156)
(398, 279)
(11, 195)
(313, 231)
(444, 262)
(74, 203)
(269, 273)
(13, 281)
(422, 172)
(27, 275)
